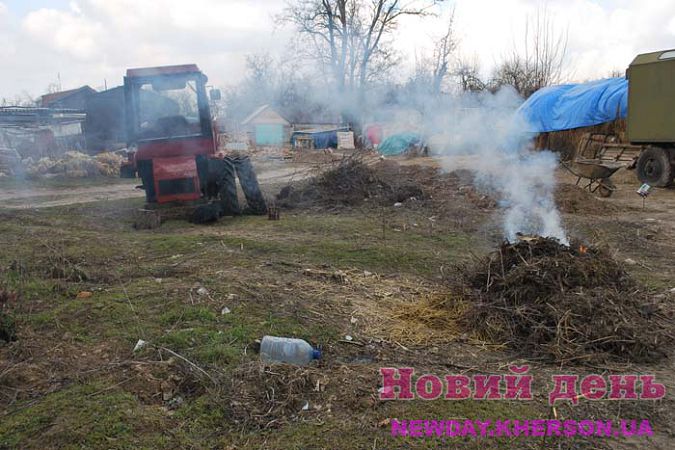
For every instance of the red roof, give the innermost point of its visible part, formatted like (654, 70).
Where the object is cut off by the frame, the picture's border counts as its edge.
(165, 70)
(48, 99)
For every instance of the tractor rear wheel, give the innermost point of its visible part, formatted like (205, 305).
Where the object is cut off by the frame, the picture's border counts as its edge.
(654, 167)
(228, 189)
(249, 184)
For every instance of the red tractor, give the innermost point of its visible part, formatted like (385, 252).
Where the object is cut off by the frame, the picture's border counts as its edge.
(173, 147)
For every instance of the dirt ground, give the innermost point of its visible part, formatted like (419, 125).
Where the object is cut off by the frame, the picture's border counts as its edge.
(63, 192)
(370, 283)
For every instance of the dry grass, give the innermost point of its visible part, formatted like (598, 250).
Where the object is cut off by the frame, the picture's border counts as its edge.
(399, 310)
(431, 319)
(410, 314)
(573, 199)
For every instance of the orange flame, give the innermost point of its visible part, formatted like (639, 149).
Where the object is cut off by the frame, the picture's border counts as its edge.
(583, 249)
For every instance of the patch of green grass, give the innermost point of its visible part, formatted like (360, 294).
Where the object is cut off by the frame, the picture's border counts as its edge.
(200, 337)
(30, 288)
(277, 325)
(82, 416)
(42, 320)
(188, 314)
(106, 316)
(208, 345)
(201, 417)
(346, 240)
(101, 316)
(175, 244)
(185, 339)
(219, 353)
(239, 332)
(208, 338)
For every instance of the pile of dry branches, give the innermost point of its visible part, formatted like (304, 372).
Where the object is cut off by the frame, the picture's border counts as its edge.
(349, 182)
(352, 181)
(566, 303)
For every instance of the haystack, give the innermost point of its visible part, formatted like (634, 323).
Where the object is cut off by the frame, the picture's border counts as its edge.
(76, 165)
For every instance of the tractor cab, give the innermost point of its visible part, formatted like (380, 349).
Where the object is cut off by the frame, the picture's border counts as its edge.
(170, 129)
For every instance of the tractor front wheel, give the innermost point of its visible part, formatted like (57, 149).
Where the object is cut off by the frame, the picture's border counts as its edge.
(654, 167)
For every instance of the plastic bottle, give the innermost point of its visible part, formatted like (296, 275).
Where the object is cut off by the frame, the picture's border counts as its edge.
(287, 350)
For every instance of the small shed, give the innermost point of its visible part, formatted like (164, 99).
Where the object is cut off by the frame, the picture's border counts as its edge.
(320, 139)
(105, 127)
(265, 126)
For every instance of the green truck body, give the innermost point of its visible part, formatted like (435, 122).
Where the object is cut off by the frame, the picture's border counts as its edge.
(651, 98)
(651, 115)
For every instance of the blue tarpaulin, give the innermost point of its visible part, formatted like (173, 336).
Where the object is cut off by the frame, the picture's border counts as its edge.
(399, 143)
(569, 106)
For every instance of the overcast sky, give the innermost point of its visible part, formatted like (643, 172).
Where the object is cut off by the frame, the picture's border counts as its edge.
(94, 41)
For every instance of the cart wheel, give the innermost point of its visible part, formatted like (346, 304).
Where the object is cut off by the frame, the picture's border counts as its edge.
(605, 189)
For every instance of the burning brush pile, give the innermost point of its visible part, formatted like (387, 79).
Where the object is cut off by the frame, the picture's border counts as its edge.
(569, 304)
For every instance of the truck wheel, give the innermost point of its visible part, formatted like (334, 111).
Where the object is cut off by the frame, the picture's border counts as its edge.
(654, 168)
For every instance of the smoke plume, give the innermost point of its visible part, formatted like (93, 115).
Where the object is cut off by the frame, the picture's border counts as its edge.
(482, 130)
(486, 128)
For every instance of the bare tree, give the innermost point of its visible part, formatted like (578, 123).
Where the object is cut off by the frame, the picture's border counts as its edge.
(23, 99)
(515, 72)
(282, 85)
(540, 62)
(255, 90)
(467, 73)
(260, 68)
(443, 50)
(617, 73)
(349, 37)
(431, 70)
(546, 55)
(53, 87)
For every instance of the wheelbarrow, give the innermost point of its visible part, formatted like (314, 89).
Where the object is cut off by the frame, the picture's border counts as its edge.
(596, 173)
